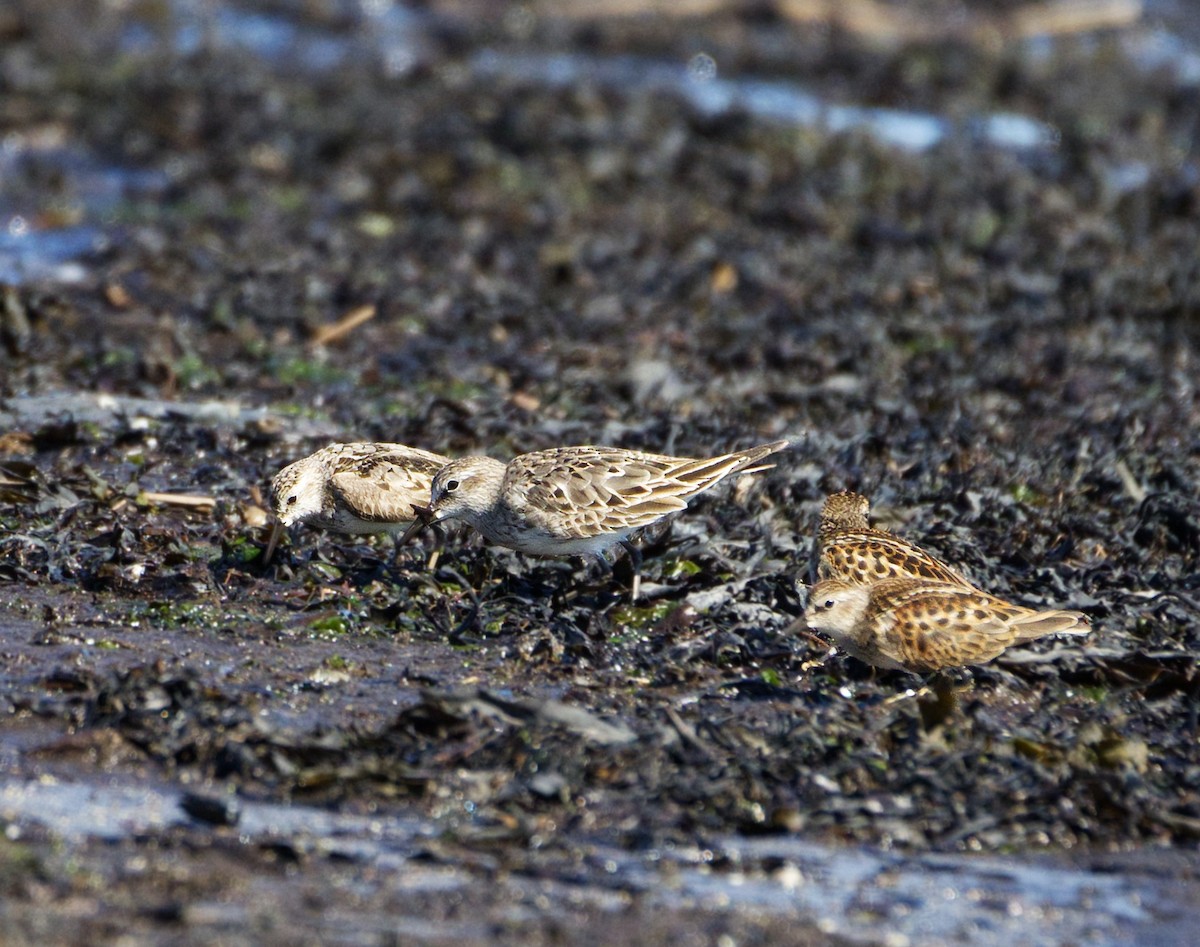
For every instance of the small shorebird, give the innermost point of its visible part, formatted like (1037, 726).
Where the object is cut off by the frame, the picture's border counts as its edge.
(577, 501)
(353, 488)
(918, 625)
(848, 548)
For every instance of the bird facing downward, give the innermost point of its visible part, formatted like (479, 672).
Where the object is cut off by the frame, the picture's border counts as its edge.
(848, 548)
(577, 501)
(917, 625)
(354, 488)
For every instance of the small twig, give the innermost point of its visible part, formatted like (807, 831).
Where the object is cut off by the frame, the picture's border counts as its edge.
(1136, 491)
(344, 326)
(1058, 17)
(190, 501)
(687, 732)
(17, 482)
(596, 9)
(876, 20)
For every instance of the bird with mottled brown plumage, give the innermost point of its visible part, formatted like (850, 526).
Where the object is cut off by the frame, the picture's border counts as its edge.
(358, 488)
(916, 624)
(848, 548)
(578, 501)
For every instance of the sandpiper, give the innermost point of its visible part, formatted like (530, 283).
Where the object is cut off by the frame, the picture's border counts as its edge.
(915, 624)
(848, 548)
(356, 488)
(577, 501)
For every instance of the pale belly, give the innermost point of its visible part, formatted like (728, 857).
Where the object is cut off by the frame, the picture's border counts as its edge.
(346, 523)
(536, 541)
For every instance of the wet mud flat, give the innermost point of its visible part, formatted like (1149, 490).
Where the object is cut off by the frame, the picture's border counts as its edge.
(962, 276)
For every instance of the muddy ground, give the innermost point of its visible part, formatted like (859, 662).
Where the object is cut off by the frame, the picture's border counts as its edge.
(991, 332)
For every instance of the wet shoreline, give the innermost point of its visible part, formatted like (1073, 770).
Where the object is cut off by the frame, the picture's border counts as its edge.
(960, 272)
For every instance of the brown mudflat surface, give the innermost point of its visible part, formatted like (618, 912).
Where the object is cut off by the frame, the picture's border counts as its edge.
(977, 305)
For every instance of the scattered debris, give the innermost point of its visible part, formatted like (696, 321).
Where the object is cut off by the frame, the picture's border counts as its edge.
(327, 335)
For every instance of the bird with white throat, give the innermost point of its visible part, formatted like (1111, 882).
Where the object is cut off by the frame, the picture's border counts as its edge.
(357, 488)
(577, 501)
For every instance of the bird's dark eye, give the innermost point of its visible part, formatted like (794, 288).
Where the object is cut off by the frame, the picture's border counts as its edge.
(828, 603)
(292, 500)
(451, 486)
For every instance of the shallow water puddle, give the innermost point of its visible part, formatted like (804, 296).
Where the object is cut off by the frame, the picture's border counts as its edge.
(56, 200)
(28, 255)
(768, 99)
(390, 33)
(851, 891)
(34, 247)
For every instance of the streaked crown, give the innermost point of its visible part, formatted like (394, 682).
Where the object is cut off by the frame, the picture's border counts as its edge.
(845, 510)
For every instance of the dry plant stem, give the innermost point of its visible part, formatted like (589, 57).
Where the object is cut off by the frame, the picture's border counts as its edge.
(344, 326)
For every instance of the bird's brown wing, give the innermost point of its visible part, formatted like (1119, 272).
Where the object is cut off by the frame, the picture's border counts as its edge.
(590, 491)
(927, 626)
(867, 556)
(384, 486)
(581, 493)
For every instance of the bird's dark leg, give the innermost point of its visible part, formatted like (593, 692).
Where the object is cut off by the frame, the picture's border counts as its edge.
(938, 700)
(603, 571)
(602, 564)
(635, 561)
(434, 557)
